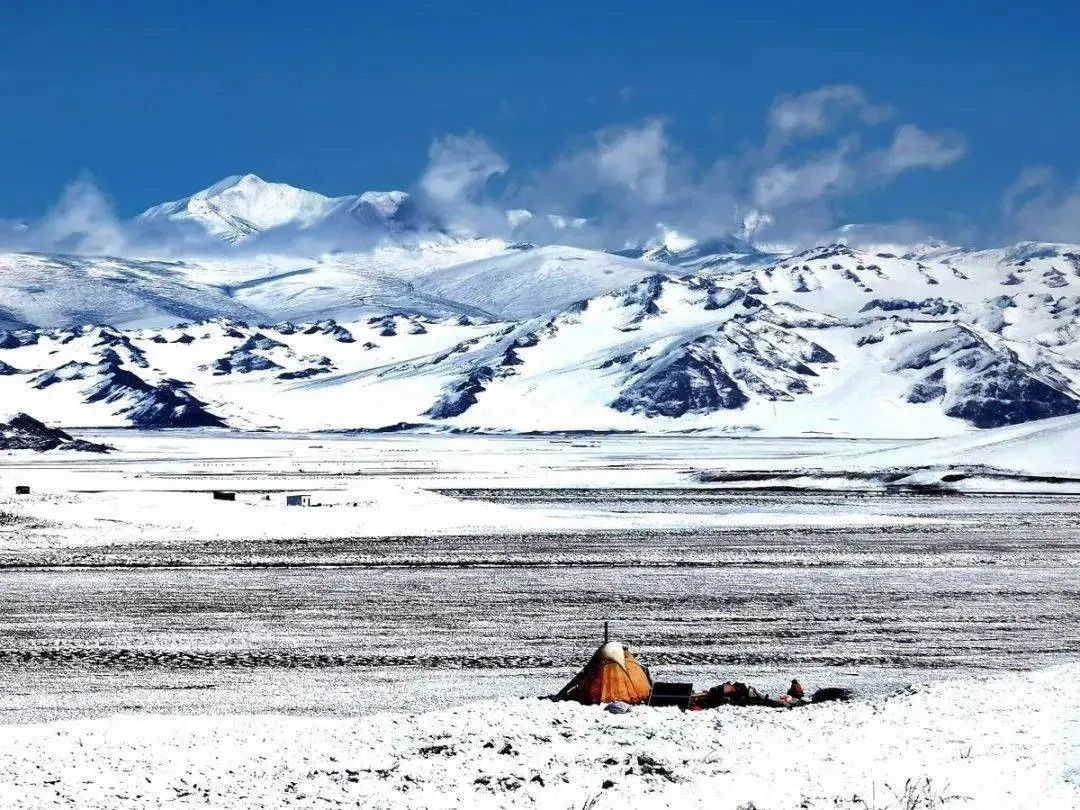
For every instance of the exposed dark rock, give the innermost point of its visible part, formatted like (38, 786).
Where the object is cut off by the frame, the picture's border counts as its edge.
(461, 396)
(333, 329)
(988, 386)
(244, 360)
(932, 387)
(934, 307)
(387, 325)
(23, 432)
(303, 373)
(260, 342)
(690, 381)
(17, 338)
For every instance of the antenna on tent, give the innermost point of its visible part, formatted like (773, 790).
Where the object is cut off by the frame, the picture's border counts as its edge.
(605, 632)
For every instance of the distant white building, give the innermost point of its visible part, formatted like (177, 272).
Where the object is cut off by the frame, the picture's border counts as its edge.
(298, 500)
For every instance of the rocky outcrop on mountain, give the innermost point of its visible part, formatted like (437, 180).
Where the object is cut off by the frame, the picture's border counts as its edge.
(246, 358)
(331, 328)
(23, 432)
(690, 379)
(934, 307)
(461, 396)
(15, 339)
(986, 385)
(171, 405)
(722, 370)
(166, 404)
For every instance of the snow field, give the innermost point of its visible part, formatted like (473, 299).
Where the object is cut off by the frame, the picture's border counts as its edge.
(1007, 741)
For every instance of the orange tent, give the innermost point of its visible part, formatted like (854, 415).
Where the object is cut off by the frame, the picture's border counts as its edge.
(612, 674)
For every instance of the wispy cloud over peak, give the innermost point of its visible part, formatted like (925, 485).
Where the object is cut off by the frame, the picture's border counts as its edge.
(459, 166)
(786, 184)
(615, 185)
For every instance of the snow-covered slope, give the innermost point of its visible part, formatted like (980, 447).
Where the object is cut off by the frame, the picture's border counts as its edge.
(1045, 447)
(660, 354)
(526, 281)
(481, 332)
(63, 290)
(1037, 280)
(54, 290)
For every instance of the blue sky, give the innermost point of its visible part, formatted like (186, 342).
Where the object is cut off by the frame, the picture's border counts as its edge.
(158, 99)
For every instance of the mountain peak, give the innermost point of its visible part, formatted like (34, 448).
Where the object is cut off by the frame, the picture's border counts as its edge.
(232, 181)
(241, 205)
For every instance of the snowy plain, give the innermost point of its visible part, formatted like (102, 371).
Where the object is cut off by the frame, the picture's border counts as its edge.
(385, 646)
(164, 648)
(963, 743)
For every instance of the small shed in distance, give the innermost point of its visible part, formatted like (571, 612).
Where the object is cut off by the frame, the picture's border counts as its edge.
(220, 495)
(298, 500)
(22, 489)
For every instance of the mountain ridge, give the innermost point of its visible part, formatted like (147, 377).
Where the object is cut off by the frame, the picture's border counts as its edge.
(665, 353)
(483, 332)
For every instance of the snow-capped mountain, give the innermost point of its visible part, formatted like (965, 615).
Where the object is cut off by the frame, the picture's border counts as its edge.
(419, 325)
(667, 352)
(242, 206)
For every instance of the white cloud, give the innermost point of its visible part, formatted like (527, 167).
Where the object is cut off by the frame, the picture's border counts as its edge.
(623, 179)
(1031, 181)
(632, 177)
(451, 188)
(1037, 207)
(615, 187)
(459, 166)
(784, 184)
(846, 169)
(915, 148)
(81, 221)
(636, 158)
(816, 111)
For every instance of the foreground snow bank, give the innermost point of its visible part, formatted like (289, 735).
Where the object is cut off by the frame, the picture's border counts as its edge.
(1010, 741)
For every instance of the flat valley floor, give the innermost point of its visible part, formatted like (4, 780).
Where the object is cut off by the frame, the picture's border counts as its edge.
(445, 570)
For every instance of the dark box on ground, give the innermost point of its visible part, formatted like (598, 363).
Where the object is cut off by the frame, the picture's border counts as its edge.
(671, 694)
